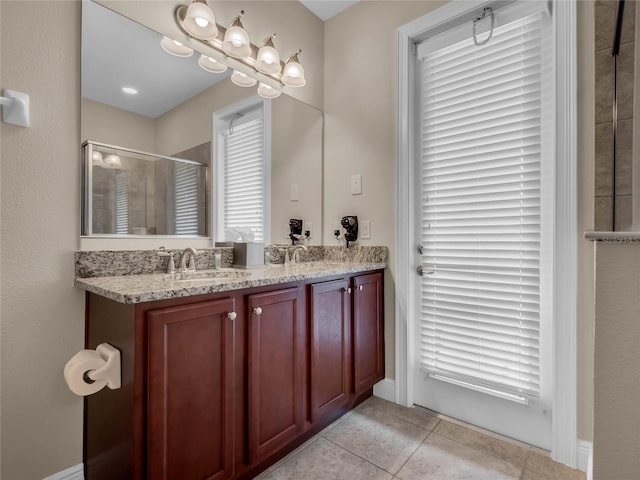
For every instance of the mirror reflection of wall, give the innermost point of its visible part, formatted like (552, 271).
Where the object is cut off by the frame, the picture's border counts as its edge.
(172, 115)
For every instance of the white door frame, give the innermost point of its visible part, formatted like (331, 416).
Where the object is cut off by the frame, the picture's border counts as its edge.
(564, 404)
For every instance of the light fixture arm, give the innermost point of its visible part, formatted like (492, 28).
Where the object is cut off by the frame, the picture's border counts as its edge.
(294, 57)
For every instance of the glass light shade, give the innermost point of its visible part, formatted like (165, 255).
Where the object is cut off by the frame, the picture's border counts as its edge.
(96, 158)
(236, 41)
(266, 91)
(293, 73)
(242, 80)
(175, 48)
(112, 161)
(268, 60)
(200, 22)
(211, 65)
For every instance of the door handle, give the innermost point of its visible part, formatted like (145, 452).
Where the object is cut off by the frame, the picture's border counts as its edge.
(420, 249)
(421, 271)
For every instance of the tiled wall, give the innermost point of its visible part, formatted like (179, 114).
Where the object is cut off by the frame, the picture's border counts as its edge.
(606, 13)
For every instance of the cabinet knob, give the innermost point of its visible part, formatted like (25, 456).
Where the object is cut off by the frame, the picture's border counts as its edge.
(232, 315)
(257, 311)
(347, 290)
(360, 287)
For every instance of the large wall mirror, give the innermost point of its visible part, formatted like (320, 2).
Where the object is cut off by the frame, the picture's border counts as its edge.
(171, 114)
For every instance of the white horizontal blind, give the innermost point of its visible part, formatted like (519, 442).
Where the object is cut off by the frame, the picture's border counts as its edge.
(244, 175)
(480, 209)
(122, 203)
(186, 199)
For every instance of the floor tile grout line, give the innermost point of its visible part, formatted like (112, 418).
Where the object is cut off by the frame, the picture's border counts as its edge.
(360, 457)
(417, 448)
(402, 418)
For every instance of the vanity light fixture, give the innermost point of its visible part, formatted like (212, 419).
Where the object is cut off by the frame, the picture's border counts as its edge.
(293, 73)
(268, 59)
(232, 48)
(200, 22)
(174, 47)
(211, 65)
(236, 41)
(96, 158)
(242, 80)
(266, 91)
(112, 161)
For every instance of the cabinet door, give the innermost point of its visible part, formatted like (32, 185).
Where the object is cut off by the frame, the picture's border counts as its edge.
(368, 331)
(330, 347)
(276, 363)
(190, 391)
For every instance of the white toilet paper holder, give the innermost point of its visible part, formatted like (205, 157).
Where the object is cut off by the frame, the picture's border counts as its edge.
(110, 372)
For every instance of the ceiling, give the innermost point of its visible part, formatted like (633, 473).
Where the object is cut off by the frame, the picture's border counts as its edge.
(325, 9)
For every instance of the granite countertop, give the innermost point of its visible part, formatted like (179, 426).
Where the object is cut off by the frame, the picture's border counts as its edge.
(161, 286)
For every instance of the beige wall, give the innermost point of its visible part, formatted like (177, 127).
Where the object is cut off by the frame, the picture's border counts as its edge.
(617, 383)
(586, 160)
(360, 125)
(42, 313)
(114, 126)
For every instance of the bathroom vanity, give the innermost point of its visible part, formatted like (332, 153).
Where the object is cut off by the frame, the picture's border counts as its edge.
(221, 378)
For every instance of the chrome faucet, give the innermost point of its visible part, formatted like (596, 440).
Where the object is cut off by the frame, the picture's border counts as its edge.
(189, 253)
(295, 254)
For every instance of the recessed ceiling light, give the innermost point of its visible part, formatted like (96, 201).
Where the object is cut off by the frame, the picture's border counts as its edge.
(130, 90)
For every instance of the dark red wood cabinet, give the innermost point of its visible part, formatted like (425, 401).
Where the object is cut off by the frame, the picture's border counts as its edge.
(276, 362)
(330, 349)
(368, 331)
(190, 391)
(220, 386)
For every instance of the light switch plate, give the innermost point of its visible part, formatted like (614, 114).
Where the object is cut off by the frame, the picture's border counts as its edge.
(356, 184)
(294, 196)
(365, 229)
(308, 227)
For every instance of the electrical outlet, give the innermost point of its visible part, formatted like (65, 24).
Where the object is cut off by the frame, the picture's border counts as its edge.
(308, 227)
(294, 197)
(356, 184)
(365, 229)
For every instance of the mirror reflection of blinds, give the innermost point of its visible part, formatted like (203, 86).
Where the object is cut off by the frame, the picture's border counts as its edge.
(186, 199)
(122, 204)
(244, 175)
(480, 182)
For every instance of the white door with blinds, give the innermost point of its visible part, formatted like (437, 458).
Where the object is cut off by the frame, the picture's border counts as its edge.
(485, 223)
(242, 197)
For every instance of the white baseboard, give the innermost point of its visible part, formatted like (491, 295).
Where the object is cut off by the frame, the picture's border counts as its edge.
(385, 389)
(585, 457)
(72, 473)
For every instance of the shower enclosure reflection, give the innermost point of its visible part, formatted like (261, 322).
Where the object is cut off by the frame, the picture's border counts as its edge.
(136, 193)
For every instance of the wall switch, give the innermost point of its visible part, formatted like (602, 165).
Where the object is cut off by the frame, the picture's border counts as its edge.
(365, 229)
(294, 197)
(356, 184)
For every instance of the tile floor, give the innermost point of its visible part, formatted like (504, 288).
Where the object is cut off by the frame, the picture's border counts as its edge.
(380, 440)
